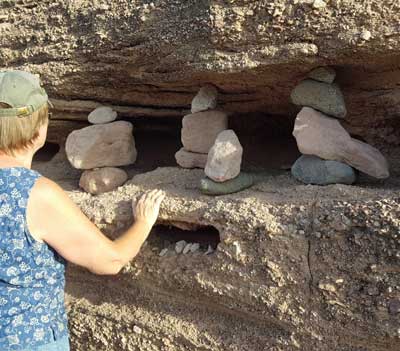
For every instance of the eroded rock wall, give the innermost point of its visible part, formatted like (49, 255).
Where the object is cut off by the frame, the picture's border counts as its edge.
(155, 55)
(298, 268)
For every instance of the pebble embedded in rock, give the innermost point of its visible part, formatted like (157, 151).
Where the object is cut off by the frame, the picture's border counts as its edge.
(102, 115)
(194, 247)
(314, 170)
(187, 159)
(137, 329)
(179, 246)
(163, 252)
(323, 74)
(101, 145)
(199, 130)
(206, 99)
(225, 157)
(187, 248)
(209, 250)
(241, 182)
(102, 180)
(324, 137)
(323, 97)
(319, 4)
(394, 306)
(365, 35)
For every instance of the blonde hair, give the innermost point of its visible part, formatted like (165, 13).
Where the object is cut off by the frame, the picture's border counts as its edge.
(19, 133)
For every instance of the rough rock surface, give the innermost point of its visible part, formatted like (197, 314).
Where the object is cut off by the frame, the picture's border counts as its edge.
(156, 56)
(314, 170)
(101, 145)
(298, 268)
(101, 115)
(205, 99)
(225, 157)
(199, 130)
(323, 97)
(101, 180)
(319, 135)
(323, 74)
(187, 159)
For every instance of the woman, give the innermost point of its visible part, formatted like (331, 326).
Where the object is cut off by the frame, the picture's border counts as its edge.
(40, 227)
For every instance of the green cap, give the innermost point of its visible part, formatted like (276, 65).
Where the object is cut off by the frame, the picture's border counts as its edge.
(22, 91)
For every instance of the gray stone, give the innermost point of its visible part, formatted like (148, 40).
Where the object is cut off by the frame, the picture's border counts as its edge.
(194, 247)
(241, 182)
(187, 248)
(179, 246)
(102, 115)
(163, 252)
(199, 130)
(323, 97)
(323, 74)
(206, 99)
(101, 180)
(187, 159)
(314, 170)
(101, 145)
(225, 157)
(324, 137)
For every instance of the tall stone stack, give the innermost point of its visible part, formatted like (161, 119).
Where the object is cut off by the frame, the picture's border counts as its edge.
(329, 152)
(201, 128)
(99, 149)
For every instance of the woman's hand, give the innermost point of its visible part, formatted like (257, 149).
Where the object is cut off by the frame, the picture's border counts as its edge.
(147, 208)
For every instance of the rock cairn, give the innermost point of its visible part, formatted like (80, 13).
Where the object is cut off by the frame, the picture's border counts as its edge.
(99, 149)
(329, 152)
(200, 129)
(223, 166)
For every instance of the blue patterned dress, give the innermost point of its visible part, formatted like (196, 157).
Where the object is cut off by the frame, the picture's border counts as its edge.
(32, 311)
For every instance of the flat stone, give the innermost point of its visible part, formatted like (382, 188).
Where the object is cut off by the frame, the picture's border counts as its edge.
(241, 182)
(323, 97)
(322, 136)
(179, 246)
(163, 252)
(199, 130)
(314, 170)
(187, 248)
(323, 74)
(187, 159)
(101, 115)
(102, 145)
(101, 180)
(225, 157)
(194, 247)
(206, 99)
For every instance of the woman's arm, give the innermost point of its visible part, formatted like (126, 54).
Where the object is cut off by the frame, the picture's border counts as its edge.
(54, 218)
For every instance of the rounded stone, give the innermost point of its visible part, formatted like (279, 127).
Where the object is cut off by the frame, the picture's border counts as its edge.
(314, 170)
(102, 115)
(102, 180)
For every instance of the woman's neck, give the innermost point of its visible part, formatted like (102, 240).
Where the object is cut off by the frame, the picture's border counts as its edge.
(18, 160)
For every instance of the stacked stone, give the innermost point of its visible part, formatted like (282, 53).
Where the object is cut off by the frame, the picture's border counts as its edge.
(223, 166)
(99, 149)
(329, 152)
(200, 129)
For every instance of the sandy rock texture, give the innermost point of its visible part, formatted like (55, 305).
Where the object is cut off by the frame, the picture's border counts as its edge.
(157, 55)
(297, 268)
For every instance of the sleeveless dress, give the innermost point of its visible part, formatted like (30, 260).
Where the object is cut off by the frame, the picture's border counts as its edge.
(32, 311)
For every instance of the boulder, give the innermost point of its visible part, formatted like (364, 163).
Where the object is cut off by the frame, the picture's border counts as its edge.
(101, 180)
(187, 159)
(102, 115)
(314, 170)
(225, 157)
(102, 145)
(323, 74)
(199, 130)
(206, 99)
(322, 136)
(323, 97)
(241, 182)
